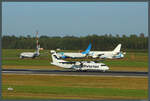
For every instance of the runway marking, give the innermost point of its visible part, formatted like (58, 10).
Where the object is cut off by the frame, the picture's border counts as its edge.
(63, 74)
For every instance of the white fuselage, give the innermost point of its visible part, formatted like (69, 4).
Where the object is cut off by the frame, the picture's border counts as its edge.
(102, 54)
(28, 55)
(93, 66)
(82, 65)
(72, 55)
(67, 66)
(108, 54)
(85, 66)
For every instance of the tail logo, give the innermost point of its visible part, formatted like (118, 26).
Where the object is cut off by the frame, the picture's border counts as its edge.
(88, 49)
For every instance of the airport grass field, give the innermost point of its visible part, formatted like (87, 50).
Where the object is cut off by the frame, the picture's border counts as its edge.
(133, 61)
(36, 86)
(73, 87)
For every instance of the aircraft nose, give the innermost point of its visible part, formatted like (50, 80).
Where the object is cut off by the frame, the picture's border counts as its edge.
(107, 68)
(122, 55)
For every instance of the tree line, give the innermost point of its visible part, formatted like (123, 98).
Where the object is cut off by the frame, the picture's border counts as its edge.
(99, 42)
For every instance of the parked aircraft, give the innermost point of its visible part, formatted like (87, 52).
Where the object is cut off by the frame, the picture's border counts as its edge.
(81, 66)
(115, 54)
(74, 55)
(32, 54)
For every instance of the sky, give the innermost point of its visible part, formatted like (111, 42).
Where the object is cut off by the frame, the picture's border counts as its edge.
(74, 18)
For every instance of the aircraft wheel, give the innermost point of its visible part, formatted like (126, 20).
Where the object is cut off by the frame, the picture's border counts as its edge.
(21, 57)
(79, 70)
(83, 70)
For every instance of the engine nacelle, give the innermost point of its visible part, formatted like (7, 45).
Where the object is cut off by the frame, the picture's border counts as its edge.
(77, 63)
(94, 56)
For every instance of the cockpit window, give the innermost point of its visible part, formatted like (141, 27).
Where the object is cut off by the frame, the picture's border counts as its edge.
(103, 65)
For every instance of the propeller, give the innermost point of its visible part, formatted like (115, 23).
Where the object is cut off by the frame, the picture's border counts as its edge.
(78, 63)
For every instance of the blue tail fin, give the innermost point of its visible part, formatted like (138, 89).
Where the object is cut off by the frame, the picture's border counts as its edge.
(88, 49)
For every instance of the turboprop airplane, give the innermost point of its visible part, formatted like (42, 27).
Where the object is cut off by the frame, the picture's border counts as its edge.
(115, 54)
(75, 55)
(32, 54)
(76, 65)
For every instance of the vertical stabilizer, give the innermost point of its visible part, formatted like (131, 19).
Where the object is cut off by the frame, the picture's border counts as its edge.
(37, 44)
(55, 57)
(117, 49)
(88, 49)
(37, 40)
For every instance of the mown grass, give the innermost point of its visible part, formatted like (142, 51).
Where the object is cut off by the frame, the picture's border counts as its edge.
(73, 91)
(50, 67)
(131, 59)
(26, 62)
(126, 63)
(73, 87)
(76, 81)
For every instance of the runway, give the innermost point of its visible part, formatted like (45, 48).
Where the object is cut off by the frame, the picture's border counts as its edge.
(73, 72)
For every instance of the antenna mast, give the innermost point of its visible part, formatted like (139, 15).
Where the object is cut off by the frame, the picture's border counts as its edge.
(37, 40)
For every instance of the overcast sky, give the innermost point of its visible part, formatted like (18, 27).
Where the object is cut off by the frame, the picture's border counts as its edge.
(74, 18)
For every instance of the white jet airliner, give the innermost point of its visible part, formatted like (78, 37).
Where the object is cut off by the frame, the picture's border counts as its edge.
(115, 54)
(81, 66)
(32, 54)
(75, 55)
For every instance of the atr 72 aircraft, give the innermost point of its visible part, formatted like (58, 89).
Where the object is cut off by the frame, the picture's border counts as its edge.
(32, 54)
(81, 66)
(75, 55)
(115, 54)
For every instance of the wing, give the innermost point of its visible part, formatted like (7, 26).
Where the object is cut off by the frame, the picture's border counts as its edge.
(72, 62)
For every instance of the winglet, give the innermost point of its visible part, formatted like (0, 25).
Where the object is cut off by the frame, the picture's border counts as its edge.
(88, 49)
